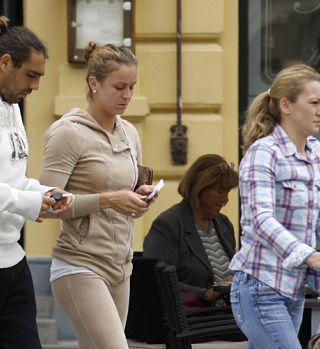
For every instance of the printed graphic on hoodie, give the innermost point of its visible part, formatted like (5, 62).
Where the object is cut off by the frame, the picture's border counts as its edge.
(19, 149)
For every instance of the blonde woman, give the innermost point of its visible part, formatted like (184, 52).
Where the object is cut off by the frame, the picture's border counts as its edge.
(96, 151)
(280, 200)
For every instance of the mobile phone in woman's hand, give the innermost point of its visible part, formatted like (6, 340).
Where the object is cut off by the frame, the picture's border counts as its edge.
(155, 190)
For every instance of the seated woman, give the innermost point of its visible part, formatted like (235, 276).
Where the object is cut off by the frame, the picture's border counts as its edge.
(193, 235)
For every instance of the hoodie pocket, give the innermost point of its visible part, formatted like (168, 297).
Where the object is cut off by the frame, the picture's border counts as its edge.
(84, 228)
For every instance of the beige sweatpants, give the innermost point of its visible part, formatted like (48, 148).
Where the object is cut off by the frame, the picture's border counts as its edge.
(98, 312)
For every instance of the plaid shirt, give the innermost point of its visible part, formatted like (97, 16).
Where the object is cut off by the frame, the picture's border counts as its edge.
(280, 201)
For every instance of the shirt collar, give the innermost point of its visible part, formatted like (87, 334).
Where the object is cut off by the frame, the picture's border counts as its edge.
(286, 145)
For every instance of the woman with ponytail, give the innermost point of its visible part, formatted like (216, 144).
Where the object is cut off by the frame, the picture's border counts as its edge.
(279, 180)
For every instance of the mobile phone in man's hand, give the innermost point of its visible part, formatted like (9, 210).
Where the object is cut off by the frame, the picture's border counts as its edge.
(60, 196)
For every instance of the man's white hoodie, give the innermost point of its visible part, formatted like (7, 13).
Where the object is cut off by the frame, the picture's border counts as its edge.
(20, 197)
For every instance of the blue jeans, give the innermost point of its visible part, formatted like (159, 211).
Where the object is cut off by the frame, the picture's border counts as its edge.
(268, 319)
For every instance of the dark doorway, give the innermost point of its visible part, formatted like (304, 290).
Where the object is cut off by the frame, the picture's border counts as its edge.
(13, 9)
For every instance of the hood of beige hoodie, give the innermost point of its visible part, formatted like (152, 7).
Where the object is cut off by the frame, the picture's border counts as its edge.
(83, 117)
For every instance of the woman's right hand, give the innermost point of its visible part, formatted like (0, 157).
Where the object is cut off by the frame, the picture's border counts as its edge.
(126, 202)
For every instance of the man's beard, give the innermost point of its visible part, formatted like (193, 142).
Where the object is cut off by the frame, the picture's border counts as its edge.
(10, 98)
(13, 99)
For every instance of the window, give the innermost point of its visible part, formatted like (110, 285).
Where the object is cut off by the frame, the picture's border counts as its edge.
(102, 21)
(281, 33)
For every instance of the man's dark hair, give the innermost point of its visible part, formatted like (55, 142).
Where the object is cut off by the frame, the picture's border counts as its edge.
(19, 42)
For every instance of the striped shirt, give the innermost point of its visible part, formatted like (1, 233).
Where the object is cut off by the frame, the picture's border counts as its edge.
(217, 256)
(280, 201)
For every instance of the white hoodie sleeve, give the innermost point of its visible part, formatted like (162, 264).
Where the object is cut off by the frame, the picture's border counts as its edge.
(34, 185)
(18, 194)
(26, 202)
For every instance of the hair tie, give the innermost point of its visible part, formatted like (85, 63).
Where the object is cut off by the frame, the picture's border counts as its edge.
(268, 92)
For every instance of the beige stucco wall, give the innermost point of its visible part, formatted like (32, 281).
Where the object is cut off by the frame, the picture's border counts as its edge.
(209, 89)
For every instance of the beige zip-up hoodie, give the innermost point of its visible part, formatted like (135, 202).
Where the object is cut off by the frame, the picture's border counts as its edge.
(83, 158)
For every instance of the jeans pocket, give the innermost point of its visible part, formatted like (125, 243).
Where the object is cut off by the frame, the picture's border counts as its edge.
(236, 307)
(269, 304)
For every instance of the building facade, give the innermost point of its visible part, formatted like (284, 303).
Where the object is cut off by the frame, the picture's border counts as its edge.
(209, 93)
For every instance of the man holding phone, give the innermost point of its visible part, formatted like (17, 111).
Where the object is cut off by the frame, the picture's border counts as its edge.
(22, 63)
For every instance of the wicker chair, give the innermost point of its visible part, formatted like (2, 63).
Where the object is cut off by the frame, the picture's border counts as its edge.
(156, 314)
(145, 318)
(182, 326)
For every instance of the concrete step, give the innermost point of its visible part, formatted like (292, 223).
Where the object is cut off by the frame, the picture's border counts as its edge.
(44, 306)
(62, 345)
(47, 330)
(132, 344)
(206, 345)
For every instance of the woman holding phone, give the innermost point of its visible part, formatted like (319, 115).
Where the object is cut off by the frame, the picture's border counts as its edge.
(193, 235)
(94, 153)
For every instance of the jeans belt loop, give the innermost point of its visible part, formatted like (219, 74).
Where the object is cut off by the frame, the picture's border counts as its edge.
(245, 276)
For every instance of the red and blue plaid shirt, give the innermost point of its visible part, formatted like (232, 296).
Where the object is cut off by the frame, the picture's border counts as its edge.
(280, 201)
